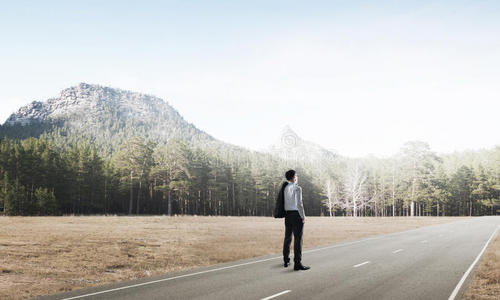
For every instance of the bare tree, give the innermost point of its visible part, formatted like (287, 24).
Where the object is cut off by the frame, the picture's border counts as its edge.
(332, 196)
(354, 186)
(328, 191)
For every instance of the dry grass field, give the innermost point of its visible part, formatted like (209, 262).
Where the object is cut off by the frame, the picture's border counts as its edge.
(485, 283)
(46, 255)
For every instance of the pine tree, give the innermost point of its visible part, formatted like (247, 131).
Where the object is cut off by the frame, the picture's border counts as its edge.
(135, 160)
(46, 201)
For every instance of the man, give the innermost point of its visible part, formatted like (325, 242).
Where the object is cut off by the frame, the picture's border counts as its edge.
(294, 221)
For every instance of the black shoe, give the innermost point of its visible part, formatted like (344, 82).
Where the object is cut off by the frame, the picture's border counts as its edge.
(300, 267)
(286, 264)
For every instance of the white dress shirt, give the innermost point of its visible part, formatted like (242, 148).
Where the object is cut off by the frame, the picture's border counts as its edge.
(293, 198)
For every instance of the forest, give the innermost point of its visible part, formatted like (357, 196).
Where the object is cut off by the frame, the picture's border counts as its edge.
(38, 177)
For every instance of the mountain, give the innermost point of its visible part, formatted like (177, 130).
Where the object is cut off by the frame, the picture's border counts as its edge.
(106, 116)
(290, 146)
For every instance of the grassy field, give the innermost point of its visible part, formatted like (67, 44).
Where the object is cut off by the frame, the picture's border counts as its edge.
(46, 255)
(485, 283)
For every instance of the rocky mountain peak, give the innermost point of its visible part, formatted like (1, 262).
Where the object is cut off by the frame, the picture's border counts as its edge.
(289, 145)
(82, 90)
(91, 100)
(107, 116)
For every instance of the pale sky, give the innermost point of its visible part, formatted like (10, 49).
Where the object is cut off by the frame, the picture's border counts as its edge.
(356, 76)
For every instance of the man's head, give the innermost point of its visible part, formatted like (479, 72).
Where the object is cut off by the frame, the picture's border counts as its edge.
(291, 176)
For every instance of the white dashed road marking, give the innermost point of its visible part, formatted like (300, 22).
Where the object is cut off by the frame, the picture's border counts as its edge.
(363, 263)
(276, 295)
(396, 251)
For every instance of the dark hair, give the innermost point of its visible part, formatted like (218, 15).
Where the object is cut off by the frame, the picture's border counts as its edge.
(289, 174)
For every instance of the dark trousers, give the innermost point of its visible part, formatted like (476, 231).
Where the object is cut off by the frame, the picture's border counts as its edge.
(293, 224)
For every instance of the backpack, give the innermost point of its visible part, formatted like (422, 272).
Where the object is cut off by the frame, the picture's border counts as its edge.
(279, 209)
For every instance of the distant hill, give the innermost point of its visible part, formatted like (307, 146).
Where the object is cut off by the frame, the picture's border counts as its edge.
(290, 146)
(106, 116)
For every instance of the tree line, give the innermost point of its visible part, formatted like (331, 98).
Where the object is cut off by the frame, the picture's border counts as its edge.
(40, 177)
(417, 182)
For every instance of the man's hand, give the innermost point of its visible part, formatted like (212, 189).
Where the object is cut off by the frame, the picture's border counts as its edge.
(303, 219)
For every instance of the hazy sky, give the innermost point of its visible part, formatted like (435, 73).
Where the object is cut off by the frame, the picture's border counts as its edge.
(356, 76)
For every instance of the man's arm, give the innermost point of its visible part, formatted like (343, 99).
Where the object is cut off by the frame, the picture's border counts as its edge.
(300, 205)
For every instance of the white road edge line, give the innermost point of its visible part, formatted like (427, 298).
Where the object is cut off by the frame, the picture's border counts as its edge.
(228, 267)
(170, 278)
(363, 263)
(461, 282)
(257, 261)
(396, 251)
(276, 295)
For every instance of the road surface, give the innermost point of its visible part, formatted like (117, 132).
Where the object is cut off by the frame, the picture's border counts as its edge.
(432, 262)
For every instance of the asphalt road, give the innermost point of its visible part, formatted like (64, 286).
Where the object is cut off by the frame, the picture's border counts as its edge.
(431, 262)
